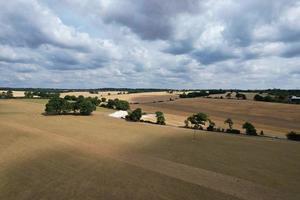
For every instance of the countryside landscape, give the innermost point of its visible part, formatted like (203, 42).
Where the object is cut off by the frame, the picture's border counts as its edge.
(149, 100)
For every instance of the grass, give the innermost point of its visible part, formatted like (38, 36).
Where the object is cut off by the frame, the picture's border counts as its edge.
(98, 157)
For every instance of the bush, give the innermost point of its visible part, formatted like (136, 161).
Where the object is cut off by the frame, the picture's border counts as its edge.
(250, 129)
(135, 115)
(160, 118)
(233, 131)
(293, 136)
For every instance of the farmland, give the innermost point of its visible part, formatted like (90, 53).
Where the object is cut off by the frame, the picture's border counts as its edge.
(273, 118)
(92, 157)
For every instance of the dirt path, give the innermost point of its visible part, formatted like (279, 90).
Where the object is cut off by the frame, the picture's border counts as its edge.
(237, 187)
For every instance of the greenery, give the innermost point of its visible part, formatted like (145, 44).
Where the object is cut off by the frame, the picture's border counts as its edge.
(293, 136)
(118, 104)
(58, 106)
(160, 118)
(233, 131)
(250, 129)
(197, 120)
(135, 115)
(240, 96)
(6, 95)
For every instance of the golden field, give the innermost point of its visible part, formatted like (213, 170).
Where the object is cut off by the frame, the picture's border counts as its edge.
(274, 119)
(98, 157)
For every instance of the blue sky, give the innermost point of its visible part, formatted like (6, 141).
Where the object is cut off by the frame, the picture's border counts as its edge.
(150, 43)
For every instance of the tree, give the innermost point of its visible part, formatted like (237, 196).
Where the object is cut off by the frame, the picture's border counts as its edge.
(160, 118)
(135, 115)
(86, 107)
(250, 129)
(110, 104)
(240, 96)
(228, 95)
(103, 99)
(54, 105)
(122, 105)
(197, 120)
(258, 97)
(28, 94)
(229, 122)
(9, 94)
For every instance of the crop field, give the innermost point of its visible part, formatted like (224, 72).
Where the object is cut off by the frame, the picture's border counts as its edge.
(274, 119)
(143, 97)
(99, 157)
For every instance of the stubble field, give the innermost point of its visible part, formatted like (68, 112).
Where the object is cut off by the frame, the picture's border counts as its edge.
(98, 157)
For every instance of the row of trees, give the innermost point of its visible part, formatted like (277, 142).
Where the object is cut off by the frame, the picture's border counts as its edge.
(40, 94)
(238, 95)
(82, 106)
(199, 120)
(6, 95)
(136, 116)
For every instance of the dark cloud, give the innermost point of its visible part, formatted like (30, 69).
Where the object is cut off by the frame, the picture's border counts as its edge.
(210, 56)
(151, 20)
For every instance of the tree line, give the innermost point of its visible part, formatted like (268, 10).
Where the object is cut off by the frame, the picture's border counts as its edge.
(70, 105)
(6, 95)
(199, 120)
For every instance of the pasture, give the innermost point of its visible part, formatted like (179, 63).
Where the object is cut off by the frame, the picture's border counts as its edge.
(99, 157)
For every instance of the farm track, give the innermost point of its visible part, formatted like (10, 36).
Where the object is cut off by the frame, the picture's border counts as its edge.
(237, 187)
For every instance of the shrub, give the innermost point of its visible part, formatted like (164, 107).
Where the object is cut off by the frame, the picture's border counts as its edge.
(233, 131)
(293, 136)
(135, 115)
(160, 118)
(250, 129)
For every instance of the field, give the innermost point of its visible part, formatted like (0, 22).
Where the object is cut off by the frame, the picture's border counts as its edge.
(273, 118)
(98, 157)
(143, 97)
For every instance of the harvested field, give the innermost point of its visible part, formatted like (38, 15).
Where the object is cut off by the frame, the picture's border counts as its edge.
(142, 97)
(273, 118)
(99, 157)
(15, 93)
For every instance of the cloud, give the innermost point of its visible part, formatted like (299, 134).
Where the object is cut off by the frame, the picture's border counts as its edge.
(150, 43)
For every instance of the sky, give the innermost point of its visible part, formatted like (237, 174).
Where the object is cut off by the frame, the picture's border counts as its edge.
(249, 44)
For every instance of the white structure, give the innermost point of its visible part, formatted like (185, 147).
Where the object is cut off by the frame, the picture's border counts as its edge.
(119, 114)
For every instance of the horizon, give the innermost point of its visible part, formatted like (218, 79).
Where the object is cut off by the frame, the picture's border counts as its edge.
(249, 45)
